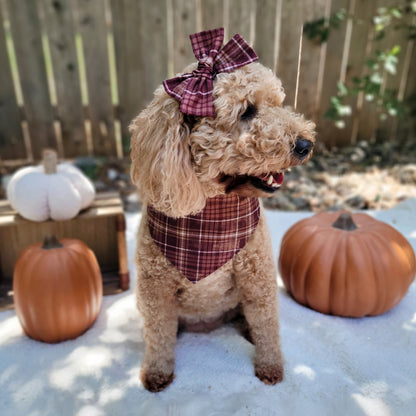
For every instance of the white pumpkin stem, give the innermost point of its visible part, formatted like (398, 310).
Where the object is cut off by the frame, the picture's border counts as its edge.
(51, 242)
(50, 160)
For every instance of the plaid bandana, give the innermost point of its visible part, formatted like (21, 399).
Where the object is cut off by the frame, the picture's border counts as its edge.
(197, 245)
(194, 91)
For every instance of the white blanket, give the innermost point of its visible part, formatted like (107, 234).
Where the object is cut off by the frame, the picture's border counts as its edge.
(334, 366)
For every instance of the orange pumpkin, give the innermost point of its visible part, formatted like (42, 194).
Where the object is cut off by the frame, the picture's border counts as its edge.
(346, 264)
(57, 289)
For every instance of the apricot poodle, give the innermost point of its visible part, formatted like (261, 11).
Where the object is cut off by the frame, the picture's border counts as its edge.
(183, 164)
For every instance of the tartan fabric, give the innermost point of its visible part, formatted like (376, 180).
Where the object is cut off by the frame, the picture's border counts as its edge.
(194, 90)
(197, 245)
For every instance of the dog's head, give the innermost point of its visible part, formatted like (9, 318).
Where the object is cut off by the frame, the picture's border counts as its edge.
(179, 161)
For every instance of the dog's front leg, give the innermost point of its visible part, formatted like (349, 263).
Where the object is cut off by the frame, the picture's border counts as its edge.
(157, 303)
(256, 280)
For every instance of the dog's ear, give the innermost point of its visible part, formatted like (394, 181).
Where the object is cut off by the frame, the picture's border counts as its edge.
(161, 160)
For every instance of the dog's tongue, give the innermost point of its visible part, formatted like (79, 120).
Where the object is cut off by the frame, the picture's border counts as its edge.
(278, 178)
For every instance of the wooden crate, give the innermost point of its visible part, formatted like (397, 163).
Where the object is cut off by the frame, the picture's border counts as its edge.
(101, 227)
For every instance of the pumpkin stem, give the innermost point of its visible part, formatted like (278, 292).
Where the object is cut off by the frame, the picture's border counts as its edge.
(50, 160)
(51, 242)
(345, 222)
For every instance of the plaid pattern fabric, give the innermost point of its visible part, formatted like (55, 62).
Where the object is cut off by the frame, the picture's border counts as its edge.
(197, 245)
(194, 90)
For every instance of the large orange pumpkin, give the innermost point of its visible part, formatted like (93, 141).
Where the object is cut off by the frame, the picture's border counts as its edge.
(346, 264)
(57, 289)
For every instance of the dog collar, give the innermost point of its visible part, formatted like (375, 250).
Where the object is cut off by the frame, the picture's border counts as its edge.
(197, 245)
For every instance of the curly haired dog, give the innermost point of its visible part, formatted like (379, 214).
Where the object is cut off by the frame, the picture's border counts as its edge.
(179, 163)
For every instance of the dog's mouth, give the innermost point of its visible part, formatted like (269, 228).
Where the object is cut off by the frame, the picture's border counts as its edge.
(266, 182)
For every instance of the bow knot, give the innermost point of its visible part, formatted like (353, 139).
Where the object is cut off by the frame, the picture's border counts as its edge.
(205, 68)
(194, 90)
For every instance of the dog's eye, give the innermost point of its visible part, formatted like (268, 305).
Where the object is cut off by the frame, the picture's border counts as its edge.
(250, 112)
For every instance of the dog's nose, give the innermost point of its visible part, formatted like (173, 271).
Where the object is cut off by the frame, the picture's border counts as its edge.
(302, 148)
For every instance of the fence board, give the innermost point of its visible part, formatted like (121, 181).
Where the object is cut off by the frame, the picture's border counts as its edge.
(240, 20)
(293, 17)
(11, 135)
(154, 40)
(27, 38)
(358, 55)
(265, 32)
(58, 22)
(140, 33)
(407, 129)
(310, 63)
(184, 24)
(152, 43)
(291, 22)
(401, 125)
(212, 12)
(93, 30)
(386, 129)
(368, 121)
(129, 58)
(327, 130)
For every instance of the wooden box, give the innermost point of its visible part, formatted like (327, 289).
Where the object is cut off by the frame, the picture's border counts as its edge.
(101, 227)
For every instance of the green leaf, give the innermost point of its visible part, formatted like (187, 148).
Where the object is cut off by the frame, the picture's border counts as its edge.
(377, 66)
(331, 113)
(381, 34)
(335, 102)
(395, 50)
(342, 89)
(372, 63)
(396, 12)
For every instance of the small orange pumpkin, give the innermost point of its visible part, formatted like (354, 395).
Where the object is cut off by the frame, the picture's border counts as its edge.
(346, 264)
(57, 289)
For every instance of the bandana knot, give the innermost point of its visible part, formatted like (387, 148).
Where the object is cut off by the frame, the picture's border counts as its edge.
(194, 90)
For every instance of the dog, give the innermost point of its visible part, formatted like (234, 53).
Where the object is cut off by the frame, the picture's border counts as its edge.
(188, 165)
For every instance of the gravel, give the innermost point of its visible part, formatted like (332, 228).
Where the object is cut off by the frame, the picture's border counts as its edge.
(364, 176)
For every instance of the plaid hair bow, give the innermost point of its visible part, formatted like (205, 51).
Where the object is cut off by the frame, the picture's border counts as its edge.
(194, 90)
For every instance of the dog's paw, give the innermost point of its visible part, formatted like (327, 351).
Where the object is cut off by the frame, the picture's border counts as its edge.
(270, 374)
(156, 381)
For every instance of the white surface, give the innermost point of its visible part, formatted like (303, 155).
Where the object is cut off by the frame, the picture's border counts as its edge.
(334, 366)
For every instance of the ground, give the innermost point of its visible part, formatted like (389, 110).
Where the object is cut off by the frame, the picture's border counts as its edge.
(361, 176)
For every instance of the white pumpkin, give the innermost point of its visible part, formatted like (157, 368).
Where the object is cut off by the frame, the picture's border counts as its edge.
(51, 190)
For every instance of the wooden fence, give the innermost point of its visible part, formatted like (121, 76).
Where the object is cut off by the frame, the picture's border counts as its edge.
(74, 73)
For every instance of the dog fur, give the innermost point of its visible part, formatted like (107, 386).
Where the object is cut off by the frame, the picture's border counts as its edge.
(178, 162)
